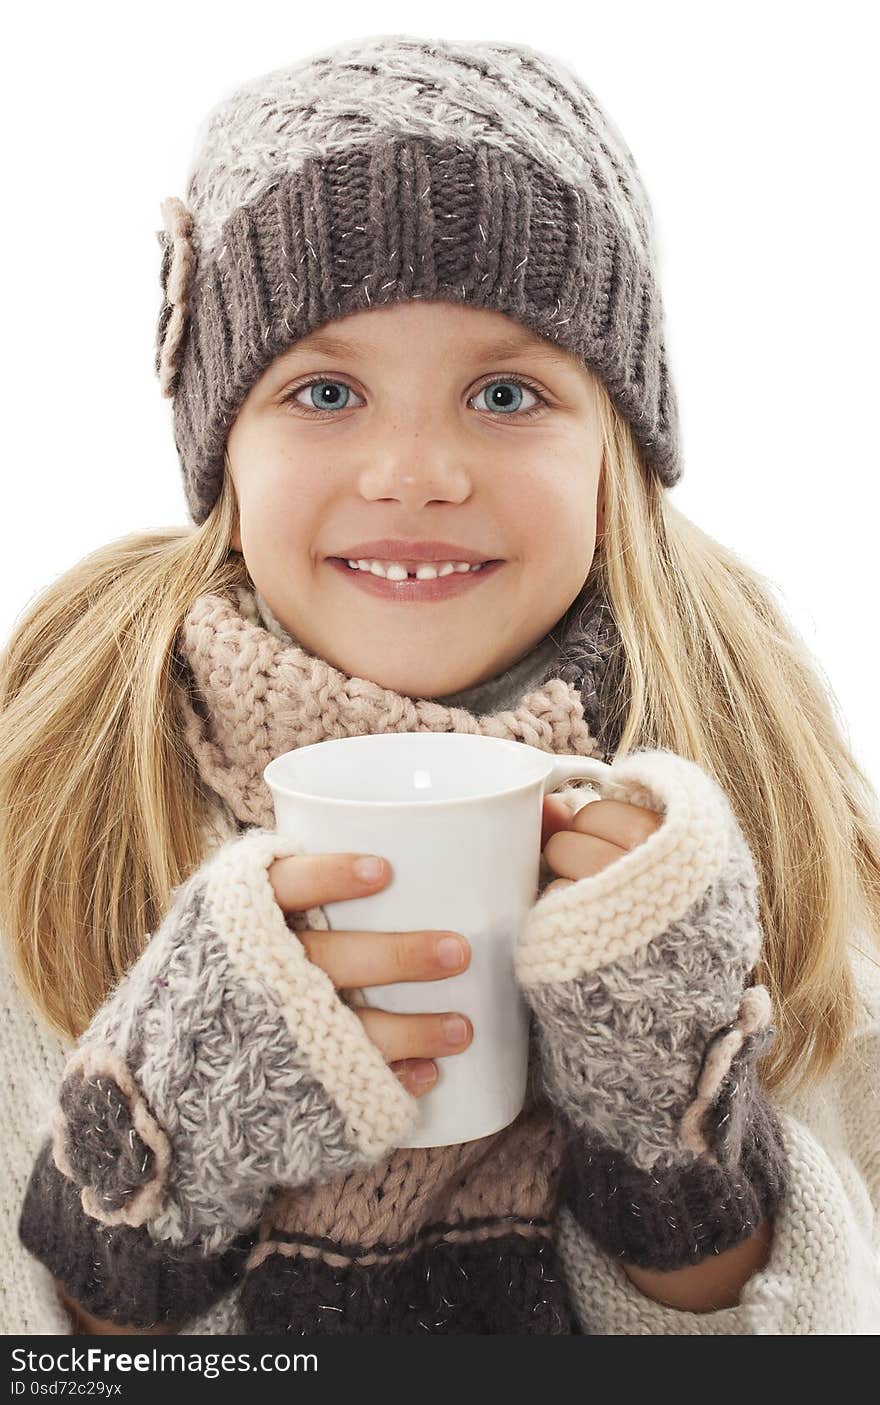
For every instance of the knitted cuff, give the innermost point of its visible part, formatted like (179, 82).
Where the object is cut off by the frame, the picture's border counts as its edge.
(118, 1273)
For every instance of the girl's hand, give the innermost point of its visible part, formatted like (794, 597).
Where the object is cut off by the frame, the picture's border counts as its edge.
(410, 1043)
(650, 1024)
(601, 831)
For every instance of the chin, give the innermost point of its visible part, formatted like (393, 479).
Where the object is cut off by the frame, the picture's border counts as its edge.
(411, 685)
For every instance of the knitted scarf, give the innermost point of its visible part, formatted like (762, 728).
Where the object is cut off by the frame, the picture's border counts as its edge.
(254, 696)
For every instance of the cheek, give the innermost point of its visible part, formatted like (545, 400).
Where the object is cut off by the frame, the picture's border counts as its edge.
(276, 535)
(558, 503)
(281, 501)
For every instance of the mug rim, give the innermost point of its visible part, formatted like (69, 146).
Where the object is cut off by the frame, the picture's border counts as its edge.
(439, 739)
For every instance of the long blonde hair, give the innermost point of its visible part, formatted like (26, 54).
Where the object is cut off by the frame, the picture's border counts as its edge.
(102, 809)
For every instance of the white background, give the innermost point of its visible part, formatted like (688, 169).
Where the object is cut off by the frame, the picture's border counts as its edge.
(755, 132)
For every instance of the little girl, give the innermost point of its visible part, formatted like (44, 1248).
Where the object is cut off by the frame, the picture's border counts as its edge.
(414, 341)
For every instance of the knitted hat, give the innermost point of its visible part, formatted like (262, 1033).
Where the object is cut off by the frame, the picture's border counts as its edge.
(391, 168)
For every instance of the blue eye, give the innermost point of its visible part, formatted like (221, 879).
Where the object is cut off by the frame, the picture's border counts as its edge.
(328, 395)
(500, 396)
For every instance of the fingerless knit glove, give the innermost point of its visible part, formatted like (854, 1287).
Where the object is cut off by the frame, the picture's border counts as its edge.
(649, 1029)
(223, 1064)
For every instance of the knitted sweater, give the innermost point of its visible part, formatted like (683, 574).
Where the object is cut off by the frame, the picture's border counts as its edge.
(220, 1149)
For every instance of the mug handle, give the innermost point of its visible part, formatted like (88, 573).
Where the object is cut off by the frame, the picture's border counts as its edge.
(570, 768)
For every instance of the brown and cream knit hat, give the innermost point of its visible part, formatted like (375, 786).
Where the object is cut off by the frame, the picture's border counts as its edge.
(396, 167)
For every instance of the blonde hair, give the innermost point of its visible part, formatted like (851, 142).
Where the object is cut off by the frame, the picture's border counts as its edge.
(102, 809)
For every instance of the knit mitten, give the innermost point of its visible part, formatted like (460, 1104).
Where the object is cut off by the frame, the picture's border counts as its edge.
(223, 1064)
(649, 1028)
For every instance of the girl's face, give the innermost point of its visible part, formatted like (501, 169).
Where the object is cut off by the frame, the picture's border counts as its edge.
(422, 427)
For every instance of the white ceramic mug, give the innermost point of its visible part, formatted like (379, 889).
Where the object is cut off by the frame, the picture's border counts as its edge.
(458, 817)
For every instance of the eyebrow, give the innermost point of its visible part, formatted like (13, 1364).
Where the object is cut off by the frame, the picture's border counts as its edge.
(508, 346)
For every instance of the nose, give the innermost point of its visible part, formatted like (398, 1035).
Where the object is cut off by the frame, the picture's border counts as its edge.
(415, 468)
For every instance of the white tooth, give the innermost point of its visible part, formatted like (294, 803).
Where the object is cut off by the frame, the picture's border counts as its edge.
(396, 571)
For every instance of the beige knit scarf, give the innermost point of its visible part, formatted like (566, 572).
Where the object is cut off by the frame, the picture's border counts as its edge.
(254, 695)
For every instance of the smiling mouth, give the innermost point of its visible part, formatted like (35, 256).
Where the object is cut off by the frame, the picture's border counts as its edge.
(414, 587)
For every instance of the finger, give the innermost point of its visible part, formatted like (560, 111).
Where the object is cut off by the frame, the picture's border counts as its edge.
(301, 881)
(414, 1036)
(617, 822)
(382, 958)
(555, 816)
(579, 855)
(417, 1075)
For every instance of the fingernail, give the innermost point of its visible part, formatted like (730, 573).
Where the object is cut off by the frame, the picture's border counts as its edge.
(450, 953)
(423, 1072)
(368, 869)
(455, 1029)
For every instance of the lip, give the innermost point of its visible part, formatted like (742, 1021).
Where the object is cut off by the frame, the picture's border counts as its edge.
(388, 550)
(413, 591)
